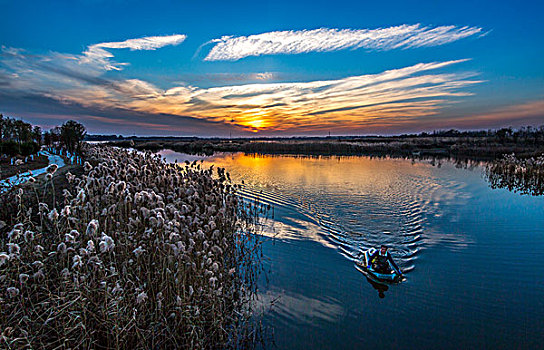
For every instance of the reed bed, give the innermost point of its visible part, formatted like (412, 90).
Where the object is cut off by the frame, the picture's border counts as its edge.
(141, 254)
(516, 174)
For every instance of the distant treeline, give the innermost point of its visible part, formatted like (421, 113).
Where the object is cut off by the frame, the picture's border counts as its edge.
(21, 138)
(523, 134)
(487, 144)
(18, 137)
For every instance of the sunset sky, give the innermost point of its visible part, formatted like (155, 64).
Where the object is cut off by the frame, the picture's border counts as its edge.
(272, 68)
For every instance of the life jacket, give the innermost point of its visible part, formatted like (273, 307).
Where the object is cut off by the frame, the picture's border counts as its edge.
(380, 258)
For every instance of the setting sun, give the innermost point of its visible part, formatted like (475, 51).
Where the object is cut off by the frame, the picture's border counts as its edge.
(254, 120)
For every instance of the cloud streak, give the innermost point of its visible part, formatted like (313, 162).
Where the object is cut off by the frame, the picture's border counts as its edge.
(99, 54)
(523, 114)
(59, 71)
(405, 36)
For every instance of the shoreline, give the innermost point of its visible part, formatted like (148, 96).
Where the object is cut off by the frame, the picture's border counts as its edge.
(21, 177)
(480, 149)
(9, 170)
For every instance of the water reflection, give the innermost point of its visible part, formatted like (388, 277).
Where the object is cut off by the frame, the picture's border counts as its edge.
(300, 308)
(352, 203)
(380, 287)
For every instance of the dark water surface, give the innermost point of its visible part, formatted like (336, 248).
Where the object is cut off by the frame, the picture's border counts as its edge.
(473, 256)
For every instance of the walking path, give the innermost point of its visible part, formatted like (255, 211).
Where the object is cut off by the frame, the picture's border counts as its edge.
(18, 179)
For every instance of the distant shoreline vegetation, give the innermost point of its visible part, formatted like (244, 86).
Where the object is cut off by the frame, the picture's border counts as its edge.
(478, 145)
(514, 159)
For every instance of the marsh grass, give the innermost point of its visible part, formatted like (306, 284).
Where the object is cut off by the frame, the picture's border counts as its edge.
(140, 254)
(524, 175)
(474, 147)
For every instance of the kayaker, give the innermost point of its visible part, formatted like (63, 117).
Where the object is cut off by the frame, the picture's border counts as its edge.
(381, 261)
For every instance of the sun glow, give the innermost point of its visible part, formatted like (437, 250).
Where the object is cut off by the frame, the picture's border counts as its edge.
(392, 97)
(255, 119)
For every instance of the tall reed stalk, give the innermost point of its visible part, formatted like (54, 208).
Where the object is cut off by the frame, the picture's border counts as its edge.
(141, 254)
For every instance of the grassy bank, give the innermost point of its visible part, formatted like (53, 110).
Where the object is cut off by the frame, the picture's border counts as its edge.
(127, 252)
(8, 170)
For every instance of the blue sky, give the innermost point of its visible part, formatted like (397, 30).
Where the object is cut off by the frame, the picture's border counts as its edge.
(272, 68)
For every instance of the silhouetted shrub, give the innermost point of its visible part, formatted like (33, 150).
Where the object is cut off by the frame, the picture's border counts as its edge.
(13, 148)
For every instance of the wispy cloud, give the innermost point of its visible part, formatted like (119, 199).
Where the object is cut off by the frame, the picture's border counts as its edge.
(229, 78)
(351, 102)
(99, 54)
(145, 43)
(56, 71)
(92, 62)
(525, 111)
(325, 39)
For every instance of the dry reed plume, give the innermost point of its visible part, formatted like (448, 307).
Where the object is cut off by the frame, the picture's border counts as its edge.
(520, 175)
(142, 254)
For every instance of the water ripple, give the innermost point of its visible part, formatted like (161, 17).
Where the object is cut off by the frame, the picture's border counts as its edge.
(353, 203)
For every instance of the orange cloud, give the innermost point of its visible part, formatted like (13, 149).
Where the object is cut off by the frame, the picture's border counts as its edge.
(391, 97)
(356, 101)
(529, 110)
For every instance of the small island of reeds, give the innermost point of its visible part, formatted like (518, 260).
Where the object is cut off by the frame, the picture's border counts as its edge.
(523, 175)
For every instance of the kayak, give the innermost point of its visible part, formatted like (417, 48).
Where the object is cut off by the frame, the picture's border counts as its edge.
(392, 276)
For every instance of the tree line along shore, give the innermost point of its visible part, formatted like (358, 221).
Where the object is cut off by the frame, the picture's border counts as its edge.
(18, 138)
(20, 143)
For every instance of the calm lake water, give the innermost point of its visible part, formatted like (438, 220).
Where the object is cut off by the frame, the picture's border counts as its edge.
(473, 256)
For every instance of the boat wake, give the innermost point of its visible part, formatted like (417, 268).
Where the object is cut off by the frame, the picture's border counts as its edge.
(397, 215)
